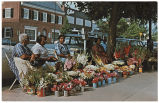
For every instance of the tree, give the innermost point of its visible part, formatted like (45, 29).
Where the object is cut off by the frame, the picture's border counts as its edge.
(145, 11)
(133, 30)
(66, 27)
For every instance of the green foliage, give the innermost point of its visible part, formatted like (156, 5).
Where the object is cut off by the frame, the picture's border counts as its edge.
(66, 27)
(133, 30)
(122, 26)
(103, 26)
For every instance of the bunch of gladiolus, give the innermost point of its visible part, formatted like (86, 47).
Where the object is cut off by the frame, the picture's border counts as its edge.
(82, 82)
(75, 82)
(69, 63)
(67, 86)
(95, 80)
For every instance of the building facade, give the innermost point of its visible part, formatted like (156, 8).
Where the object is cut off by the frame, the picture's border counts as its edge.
(78, 20)
(32, 18)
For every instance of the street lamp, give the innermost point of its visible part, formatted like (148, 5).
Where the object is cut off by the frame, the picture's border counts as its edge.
(140, 35)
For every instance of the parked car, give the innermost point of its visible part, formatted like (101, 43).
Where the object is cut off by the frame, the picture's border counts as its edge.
(7, 41)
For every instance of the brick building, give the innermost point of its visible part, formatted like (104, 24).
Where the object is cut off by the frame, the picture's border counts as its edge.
(32, 18)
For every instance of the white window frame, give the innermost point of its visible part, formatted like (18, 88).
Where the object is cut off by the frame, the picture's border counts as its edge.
(8, 15)
(31, 28)
(5, 32)
(52, 18)
(59, 19)
(37, 13)
(44, 15)
(26, 15)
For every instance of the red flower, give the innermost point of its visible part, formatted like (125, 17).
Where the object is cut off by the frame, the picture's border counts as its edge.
(117, 54)
(95, 80)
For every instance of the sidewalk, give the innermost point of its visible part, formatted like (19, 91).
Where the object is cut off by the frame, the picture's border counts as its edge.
(139, 87)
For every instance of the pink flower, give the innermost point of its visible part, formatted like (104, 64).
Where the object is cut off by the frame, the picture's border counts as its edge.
(69, 63)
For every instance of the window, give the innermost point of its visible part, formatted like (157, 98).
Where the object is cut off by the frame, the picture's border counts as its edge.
(55, 35)
(31, 32)
(59, 19)
(70, 19)
(8, 32)
(44, 17)
(35, 15)
(26, 13)
(88, 23)
(44, 32)
(79, 21)
(8, 13)
(52, 18)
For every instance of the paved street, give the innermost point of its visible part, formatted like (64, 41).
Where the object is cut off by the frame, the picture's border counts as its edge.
(139, 87)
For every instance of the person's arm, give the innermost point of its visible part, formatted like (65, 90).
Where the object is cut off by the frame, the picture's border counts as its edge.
(20, 51)
(25, 57)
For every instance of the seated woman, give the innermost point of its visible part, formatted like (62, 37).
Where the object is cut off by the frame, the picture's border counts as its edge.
(62, 49)
(20, 54)
(98, 51)
(40, 53)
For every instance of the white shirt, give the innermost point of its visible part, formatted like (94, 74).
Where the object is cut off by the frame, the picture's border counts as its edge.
(38, 49)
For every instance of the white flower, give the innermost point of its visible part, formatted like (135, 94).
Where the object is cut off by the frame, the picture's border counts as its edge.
(24, 82)
(72, 73)
(132, 66)
(109, 66)
(82, 58)
(90, 67)
(119, 62)
(53, 75)
(43, 84)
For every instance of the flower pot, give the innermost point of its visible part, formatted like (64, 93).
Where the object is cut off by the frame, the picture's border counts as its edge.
(103, 82)
(124, 76)
(120, 74)
(109, 80)
(82, 89)
(65, 93)
(140, 70)
(131, 72)
(31, 90)
(99, 83)
(94, 85)
(114, 79)
(41, 92)
(57, 94)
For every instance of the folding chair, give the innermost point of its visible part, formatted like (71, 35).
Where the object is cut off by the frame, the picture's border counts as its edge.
(12, 71)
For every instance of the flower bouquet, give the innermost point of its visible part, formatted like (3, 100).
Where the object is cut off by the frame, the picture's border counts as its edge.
(109, 67)
(69, 63)
(67, 87)
(82, 58)
(41, 88)
(95, 81)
